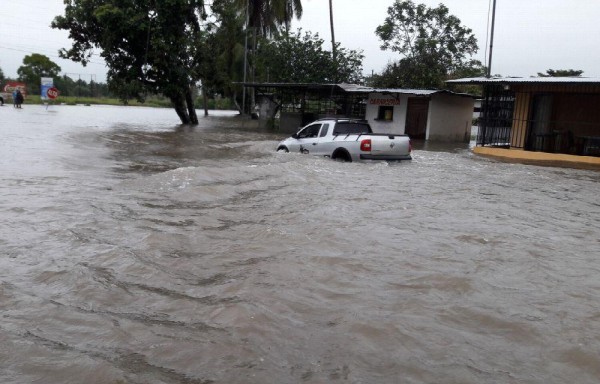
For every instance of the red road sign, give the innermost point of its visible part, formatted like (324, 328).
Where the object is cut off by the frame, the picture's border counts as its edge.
(52, 93)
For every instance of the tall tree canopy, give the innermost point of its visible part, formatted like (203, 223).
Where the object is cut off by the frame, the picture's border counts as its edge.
(561, 73)
(225, 42)
(297, 58)
(1, 76)
(149, 46)
(270, 16)
(433, 44)
(36, 66)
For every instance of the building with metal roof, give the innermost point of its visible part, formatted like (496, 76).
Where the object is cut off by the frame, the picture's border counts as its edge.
(428, 114)
(541, 114)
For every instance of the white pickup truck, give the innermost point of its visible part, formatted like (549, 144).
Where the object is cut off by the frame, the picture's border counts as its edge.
(347, 140)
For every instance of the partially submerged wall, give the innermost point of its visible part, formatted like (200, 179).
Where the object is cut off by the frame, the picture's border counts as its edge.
(450, 118)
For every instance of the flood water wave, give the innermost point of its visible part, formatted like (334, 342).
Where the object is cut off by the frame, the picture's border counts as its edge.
(135, 250)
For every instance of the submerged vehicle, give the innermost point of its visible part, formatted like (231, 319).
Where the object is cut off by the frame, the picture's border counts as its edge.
(347, 140)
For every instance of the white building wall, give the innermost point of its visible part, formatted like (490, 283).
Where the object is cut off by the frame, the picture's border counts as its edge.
(397, 125)
(450, 118)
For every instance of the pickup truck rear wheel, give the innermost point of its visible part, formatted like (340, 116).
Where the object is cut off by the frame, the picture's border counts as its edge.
(341, 154)
(283, 148)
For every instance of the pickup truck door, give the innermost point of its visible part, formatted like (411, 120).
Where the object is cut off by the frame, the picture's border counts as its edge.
(306, 139)
(321, 146)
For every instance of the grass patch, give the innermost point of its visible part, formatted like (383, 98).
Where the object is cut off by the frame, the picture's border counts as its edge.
(153, 101)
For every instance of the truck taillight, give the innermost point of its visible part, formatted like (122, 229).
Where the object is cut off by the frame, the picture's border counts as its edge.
(365, 145)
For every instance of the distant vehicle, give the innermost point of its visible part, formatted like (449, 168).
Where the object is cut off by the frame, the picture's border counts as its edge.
(347, 140)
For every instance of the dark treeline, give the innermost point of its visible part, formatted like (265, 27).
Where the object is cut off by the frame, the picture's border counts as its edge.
(81, 88)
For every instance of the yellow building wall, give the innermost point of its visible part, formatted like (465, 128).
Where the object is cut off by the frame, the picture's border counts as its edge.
(518, 132)
(523, 97)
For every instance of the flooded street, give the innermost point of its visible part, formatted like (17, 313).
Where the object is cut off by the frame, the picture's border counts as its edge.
(134, 250)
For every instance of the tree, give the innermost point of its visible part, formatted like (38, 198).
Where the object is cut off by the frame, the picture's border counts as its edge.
(1, 76)
(561, 73)
(225, 40)
(265, 18)
(269, 17)
(150, 47)
(36, 66)
(433, 43)
(298, 58)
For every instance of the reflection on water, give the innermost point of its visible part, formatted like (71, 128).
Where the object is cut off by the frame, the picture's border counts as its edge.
(136, 250)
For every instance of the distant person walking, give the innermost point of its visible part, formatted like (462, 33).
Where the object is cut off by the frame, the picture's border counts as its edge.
(18, 99)
(14, 95)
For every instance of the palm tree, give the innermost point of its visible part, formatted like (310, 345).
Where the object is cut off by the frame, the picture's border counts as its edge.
(269, 16)
(266, 17)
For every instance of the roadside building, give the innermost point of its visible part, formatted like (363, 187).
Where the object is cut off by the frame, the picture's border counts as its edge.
(436, 115)
(10, 87)
(557, 115)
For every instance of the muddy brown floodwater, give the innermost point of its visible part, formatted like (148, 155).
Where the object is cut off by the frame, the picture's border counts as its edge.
(133, 250)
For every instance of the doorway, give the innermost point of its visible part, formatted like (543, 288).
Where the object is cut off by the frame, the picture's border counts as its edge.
(416, 117)
(540, 136)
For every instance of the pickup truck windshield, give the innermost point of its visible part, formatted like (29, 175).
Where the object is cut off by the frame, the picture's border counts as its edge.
(351, 128)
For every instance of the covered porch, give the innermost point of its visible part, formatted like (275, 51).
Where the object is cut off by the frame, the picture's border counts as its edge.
(547, 114)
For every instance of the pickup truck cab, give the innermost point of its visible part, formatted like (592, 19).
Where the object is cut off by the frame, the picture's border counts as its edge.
(347, 140)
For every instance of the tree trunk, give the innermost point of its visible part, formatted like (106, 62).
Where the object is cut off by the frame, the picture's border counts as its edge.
(189, 99)
(205, 100)
(184, 106)
(180, 108)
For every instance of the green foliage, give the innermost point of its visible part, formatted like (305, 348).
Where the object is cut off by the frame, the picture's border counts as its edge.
(2, 78)
(270, 17)
(149, 47)
(36, 66)
(298, 58)
(561, 73)
(433, 43)
(154, 101)
(80, 88)
(225, 41)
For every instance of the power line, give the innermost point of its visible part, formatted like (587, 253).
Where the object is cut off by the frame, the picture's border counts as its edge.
(46, 54)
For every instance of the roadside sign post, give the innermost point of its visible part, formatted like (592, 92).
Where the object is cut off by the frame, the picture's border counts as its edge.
(52, 93)
(47, 90)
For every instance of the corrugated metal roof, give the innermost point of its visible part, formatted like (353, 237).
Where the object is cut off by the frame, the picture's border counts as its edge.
(529, 80)
(404, 91)
(354, 88)
(420, 92)
(409, 91)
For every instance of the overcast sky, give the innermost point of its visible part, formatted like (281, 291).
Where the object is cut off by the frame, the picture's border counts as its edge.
(531, 36)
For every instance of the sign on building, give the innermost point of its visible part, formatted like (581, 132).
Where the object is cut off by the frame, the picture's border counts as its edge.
(12, 86)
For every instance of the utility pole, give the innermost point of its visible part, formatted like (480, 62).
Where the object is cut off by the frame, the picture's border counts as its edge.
(333, 48)
(246, 56)
(489, 68)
